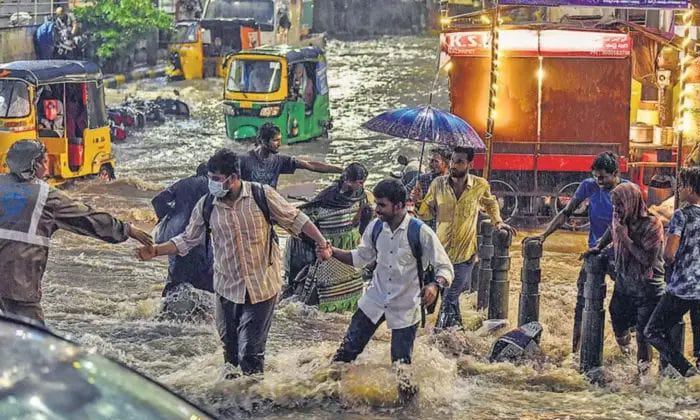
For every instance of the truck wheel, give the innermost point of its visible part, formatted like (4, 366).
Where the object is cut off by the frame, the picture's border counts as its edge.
(507, 198)
(579, 218)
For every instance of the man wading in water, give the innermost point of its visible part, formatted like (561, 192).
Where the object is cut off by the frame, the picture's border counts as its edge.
(265, 164)
(394, 294)
(600, 213)
(247, 275)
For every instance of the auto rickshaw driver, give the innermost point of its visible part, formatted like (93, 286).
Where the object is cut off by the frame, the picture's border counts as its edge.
(260, 77)
(302, 87)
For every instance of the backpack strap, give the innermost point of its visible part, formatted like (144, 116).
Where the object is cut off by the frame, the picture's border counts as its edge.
(260, 198)
(207, 209)
(414, 227)
(376, 230)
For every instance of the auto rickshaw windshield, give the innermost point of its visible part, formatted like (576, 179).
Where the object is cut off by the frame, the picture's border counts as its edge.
(14, 99)
(260, 11)
(254, 76)
(185, 33)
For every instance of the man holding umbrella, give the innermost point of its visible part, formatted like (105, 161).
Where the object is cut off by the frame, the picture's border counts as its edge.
(453, 201)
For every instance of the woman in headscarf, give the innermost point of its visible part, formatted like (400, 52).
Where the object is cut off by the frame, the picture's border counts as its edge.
(637, 239)
(341, 211)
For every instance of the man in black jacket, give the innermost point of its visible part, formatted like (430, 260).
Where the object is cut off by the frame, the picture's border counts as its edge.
(173, 207)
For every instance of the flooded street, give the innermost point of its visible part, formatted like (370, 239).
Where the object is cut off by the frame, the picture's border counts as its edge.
(102, 297)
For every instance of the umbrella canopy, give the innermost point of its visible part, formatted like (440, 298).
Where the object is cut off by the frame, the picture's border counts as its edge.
(428, 125)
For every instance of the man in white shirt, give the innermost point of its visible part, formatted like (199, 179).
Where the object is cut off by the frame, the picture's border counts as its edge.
(394, 294)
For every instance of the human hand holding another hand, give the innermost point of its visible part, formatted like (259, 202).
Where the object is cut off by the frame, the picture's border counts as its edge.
(140, 235)
(324, 251)
(146, 253)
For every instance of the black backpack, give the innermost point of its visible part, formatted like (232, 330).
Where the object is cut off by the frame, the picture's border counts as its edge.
(260, 198)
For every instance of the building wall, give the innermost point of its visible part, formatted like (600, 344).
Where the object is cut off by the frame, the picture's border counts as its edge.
(370, 17)
(17, 44)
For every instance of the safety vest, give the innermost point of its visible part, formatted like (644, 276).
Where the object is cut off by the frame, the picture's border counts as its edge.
(21, 206)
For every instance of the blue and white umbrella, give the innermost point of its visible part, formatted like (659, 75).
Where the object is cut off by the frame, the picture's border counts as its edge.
(428, 125)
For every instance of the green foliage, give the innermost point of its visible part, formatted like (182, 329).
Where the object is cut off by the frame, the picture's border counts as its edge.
(117, 25)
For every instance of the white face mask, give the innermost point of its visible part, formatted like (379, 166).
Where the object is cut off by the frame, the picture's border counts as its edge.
(216, 188)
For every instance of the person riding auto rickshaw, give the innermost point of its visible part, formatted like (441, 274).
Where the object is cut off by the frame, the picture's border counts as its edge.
(61, 104)
(198, 47)
(282, 85)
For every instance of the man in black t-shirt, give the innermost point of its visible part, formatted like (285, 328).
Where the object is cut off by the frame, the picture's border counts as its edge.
(265, 165)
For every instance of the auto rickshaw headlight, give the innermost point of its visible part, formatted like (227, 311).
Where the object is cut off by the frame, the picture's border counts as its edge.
(229, 110)
(270, 111)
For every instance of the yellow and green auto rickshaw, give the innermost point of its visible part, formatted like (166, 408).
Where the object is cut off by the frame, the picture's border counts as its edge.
(61, 104)
(282, 85)
(199, 47)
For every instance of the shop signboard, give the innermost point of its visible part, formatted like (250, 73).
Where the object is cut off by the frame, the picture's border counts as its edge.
(544, 43)
(620, 4)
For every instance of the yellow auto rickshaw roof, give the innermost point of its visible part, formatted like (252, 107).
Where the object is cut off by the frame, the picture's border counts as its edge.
(290, 53)
(38, 72)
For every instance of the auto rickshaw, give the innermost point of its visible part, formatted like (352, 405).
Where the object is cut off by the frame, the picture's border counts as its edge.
(198, 47)
(282, 85)
(61, 104)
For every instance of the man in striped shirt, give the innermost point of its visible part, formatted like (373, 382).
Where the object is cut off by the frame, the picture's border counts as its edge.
(247, 276)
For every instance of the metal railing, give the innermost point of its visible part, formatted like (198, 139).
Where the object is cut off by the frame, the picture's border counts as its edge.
(38, 11)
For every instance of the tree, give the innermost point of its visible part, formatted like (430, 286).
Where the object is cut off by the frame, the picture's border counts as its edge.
(115, 26)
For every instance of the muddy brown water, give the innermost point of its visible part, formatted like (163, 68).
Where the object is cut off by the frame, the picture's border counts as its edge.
(102, 297)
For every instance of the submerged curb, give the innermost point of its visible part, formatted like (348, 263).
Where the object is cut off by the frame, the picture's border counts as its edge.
(114, 80)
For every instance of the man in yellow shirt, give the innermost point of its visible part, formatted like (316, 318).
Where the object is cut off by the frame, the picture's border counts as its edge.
(454, 201)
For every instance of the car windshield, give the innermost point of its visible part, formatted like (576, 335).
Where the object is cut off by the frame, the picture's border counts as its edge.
(49, 378)
(14, 99)
(263, 11)
(185, 33)
(254, 76)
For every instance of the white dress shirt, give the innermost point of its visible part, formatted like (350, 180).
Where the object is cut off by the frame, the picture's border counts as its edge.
(394, 290)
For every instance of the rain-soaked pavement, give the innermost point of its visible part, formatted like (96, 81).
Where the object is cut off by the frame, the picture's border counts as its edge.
(104, 298)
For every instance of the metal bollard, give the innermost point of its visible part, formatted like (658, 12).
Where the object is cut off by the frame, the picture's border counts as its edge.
(500, 265)
(485, 271)
(530, 277)
(593, 323)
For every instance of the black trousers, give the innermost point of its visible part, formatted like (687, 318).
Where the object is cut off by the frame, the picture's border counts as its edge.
(667, 314)
(633, 311)
(243, 330)
(695, 323)
(362, 329)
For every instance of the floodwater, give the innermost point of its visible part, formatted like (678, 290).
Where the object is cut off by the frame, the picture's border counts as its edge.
(104, 298)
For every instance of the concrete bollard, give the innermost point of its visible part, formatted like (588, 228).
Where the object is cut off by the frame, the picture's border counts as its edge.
(593, 323)
(500, 265)
(530, 277)
(485, 271)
